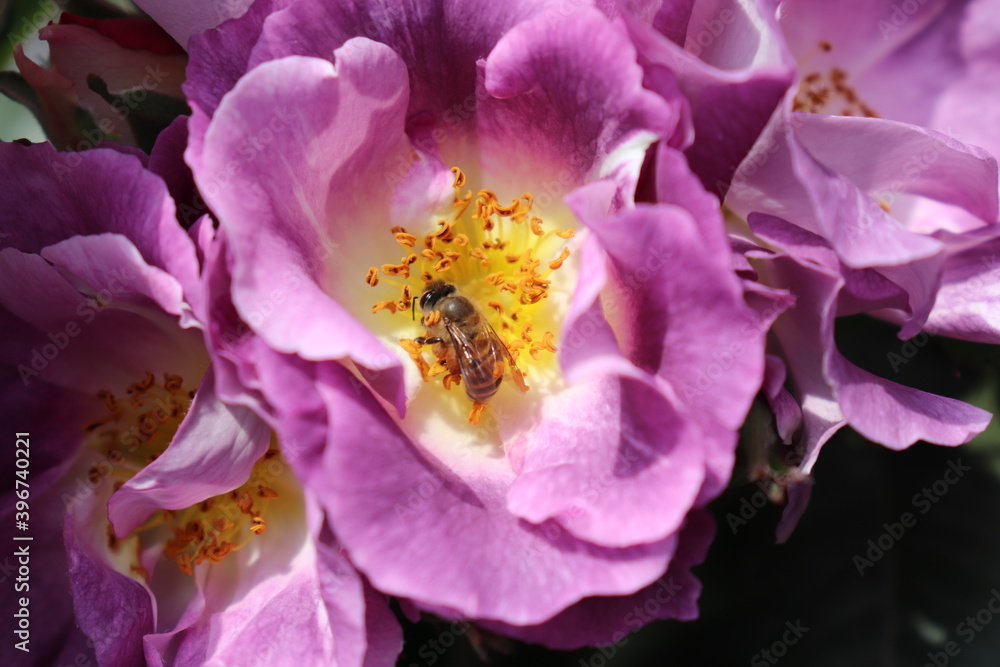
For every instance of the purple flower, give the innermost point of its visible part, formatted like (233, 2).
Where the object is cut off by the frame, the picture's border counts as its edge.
(877, 188)
(729, 61)
(498, 151)
(184, 18)
(165, 524)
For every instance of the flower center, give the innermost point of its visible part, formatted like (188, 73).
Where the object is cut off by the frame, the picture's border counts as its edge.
(829, 92)
(137, 428)
(495, 265)
(218, 526)
(135, 432)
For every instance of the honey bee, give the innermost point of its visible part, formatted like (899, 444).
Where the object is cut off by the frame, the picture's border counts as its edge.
(469, 341)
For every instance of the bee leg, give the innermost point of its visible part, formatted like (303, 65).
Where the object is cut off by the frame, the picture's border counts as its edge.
(427, 341)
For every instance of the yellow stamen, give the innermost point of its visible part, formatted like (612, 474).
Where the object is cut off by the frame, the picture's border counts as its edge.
(406, 299)
(558, 261)
(135, 433)
(410, 346)
(406, 239)
(397, 269)
(476, 412)
(820, 91)
(432, 318)
(503, 266)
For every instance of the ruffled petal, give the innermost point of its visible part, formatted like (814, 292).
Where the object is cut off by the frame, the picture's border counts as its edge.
(111, 264)
(612, 461)
(781, 178)
(74, 333)
(539, 78)
(114, 610)
(276, 281)
(440, 42)
(603, 621)
(289, 585)
(681, 316)
(787, 414)
(729, 60)
(52, 196)
(397, 510)
(188, 472)
(799, 331)
(219, 58)
(832, 391)
(911, 288)
(882, 156)
(185, 19)
(968, 303)
(49, 596)
(898, 416)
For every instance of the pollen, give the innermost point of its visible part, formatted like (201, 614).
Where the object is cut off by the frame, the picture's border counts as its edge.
(830, 91)
(219, 526)
(499, 254)
(477, 411)
(432, 318)
(409, 240)
(139, 426)
(134, 432)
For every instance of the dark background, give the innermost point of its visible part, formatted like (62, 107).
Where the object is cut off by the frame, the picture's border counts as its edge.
(904, 608)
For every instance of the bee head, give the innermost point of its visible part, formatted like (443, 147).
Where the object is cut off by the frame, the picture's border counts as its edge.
(434, 292)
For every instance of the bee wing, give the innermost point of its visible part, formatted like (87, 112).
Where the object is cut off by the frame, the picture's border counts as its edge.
(498, 344)
(477, 369)
(511, 368)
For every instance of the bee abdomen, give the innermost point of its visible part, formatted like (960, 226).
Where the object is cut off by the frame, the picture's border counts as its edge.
(482, 392)
(481, 381)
